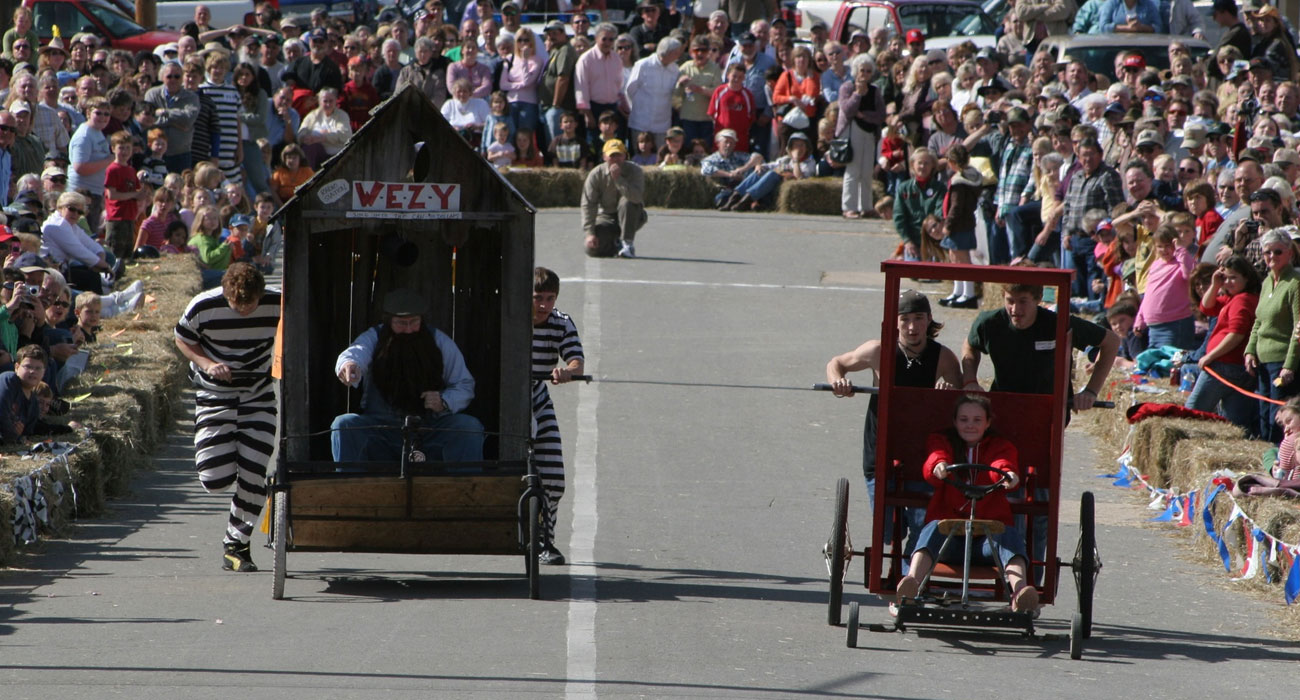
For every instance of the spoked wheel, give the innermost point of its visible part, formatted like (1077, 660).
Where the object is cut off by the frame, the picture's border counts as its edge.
(853, 625)
(837, 551)
(532, 556)
(1087, 562)
(280, 501)
(1076, 636)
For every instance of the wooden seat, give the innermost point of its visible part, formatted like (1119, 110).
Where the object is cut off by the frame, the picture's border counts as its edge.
(981, 528)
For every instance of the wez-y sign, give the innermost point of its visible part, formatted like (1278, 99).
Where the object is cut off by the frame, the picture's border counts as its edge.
(407, 200)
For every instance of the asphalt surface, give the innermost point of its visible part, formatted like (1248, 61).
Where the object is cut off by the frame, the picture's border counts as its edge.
(701, 479)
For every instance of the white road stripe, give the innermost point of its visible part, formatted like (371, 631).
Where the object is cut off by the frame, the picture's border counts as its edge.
(735, 285)
(580, 670)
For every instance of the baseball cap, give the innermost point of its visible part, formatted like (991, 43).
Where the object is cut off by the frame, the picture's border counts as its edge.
(1260, 64)
(240, 220)
(512, 6)
(936, 56)
(29, 262)
(1017, 115)
(1149, 138)
(1194, 136)
(19, 106)
(911, 301)
(987, 53)
(747, 38)
(914, 35)
(53, 171)
(1135, 61)
(317, 35)
(614, 146)
(404, 302)
(1238, 67)
(1287, 156)
(357, 61)
(554, 25)
(859, 34)
(726, 134)
(1115, 108)
(675, 131)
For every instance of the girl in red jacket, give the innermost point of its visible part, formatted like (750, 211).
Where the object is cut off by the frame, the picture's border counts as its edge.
(971, 441)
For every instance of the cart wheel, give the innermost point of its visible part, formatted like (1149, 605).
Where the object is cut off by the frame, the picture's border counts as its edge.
(1087, 561)
(837, 545)
(281, 526)
(532, 563)
(1076, 636)
(853, 625)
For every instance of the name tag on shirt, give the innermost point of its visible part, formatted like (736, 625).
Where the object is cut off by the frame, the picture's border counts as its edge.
(1044, 344)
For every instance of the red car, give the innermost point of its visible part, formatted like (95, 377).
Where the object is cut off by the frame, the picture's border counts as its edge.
(97, 17)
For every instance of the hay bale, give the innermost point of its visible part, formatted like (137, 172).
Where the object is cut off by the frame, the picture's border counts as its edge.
(1194, 460)
(1154, 440)
(814, 196)
(549, 187)
(678, 189)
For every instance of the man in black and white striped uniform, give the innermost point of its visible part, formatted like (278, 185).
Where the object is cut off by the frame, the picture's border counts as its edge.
(554, 338)
(228, 334)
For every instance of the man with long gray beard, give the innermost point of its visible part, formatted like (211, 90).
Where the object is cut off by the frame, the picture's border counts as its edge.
(411, 369)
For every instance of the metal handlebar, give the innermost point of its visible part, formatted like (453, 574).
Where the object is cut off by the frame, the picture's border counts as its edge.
(822, 386)
(543, 376)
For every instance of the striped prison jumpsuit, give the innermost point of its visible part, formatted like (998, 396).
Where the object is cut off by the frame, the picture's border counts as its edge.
(555, 339)
(235, 421)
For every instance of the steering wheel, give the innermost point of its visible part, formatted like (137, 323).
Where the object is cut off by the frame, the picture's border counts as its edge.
(976, 491)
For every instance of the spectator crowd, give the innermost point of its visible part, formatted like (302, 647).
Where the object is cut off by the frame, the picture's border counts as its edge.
(995, 153)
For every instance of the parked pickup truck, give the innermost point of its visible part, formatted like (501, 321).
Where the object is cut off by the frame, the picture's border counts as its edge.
(943, 22)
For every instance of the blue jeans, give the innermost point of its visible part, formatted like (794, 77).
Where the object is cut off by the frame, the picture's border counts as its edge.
(913, 518)
(1084, 264)
(551, 123)
(697, 130)
(999, 244)
(1265, 373)
(1023, 223)
(526, 115)
(1210, 393)
(256, 177)
(759, 183)
(1007, 546)
(1180, 334)
(357, 437)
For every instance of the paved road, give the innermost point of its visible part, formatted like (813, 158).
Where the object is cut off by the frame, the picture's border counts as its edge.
(701, 474)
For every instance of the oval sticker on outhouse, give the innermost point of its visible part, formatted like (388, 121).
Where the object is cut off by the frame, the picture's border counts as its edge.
(332, 192)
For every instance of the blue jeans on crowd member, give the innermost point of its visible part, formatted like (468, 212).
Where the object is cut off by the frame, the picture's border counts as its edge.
(1265, 373)
(179, 163)
(697, 130)
(526, 115)
(1180, 334)
(358, 437)
(256, 177)
(759, 183)
(1085, 266)
(1210, 393)
(1004, 547)
(999, 245)
(1049, 252)
(1023, 223)
(551, 124)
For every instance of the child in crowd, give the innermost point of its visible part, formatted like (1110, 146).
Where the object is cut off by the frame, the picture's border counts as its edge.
(1201, 200)
(1230, 296)
(88, 310)
(292, 172)
(153, 230)
(1144, 218)
(1120, 318)
(153, 171)
(526, 153)
(19, 407)
(499, 152)
(732, 106)
(671, 152)
(699, 151)
(971, 439)
(45, 399)
(555, 338)
(893, 159)
(607, 125)
(122, 195)
(1166, 314)
(1287, 466)
(261, 232)
(242, 247)
(647, 152)
(178, 235)
(358, 96)
(498, 113)
(885, 208)
(931, 237)
(234, 196)
(568, 150)
(214, 255)
(199, 198)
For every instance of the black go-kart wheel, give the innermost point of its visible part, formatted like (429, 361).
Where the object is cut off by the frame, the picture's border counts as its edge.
(1087, 561)
(532, 557)
(1076, 636)
(853, 625)
(280, 506)
(836, 555)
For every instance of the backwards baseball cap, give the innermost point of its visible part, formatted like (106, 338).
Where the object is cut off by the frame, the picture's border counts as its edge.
(1135, 61)
(911, 301)
(914, 35)
(405, 302)
(614, 146)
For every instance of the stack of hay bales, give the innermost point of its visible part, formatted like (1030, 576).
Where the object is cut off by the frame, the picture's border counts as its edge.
(126, 397)
(671, 189)
(1155, 439)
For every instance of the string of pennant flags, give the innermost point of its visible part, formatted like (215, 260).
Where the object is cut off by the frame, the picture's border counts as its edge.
(31, 507)
(1181, 508)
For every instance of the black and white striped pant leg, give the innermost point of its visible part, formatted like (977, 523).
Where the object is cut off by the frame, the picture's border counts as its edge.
(255, 442)
(233, 434)
(548, 455)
